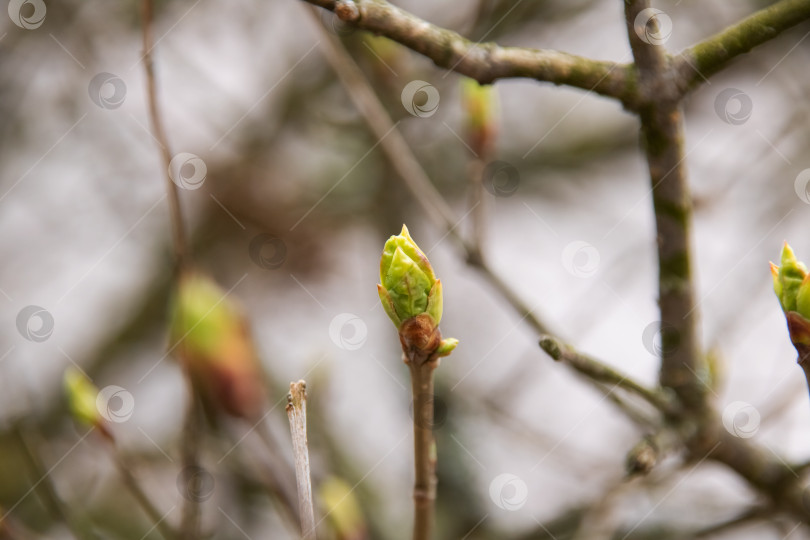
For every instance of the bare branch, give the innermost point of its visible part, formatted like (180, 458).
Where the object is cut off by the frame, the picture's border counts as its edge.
(701, 61)
(191, 441)
(140, 496)
(662, 135)
(178, 229)
(297, 414)
(484, 62)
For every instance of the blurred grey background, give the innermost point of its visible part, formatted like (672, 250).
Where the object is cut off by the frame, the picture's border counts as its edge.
(244, 86)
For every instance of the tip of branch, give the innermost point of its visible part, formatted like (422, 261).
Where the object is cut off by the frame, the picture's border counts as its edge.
(551, 346)
(297, 395)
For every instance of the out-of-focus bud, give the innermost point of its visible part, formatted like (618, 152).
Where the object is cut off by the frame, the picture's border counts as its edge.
(213, 343)
(343, 509)
(82, 395)
(412, 296)
(481, 104)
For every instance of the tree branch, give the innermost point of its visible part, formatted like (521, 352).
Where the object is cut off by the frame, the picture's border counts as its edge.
(662, 136)
(190, 443)
(178, 229)
(597, 371)
(701, 61)
(484, 62)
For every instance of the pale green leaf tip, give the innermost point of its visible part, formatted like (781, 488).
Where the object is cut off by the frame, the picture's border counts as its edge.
(791, 283)
(446, 346)
(435, 302)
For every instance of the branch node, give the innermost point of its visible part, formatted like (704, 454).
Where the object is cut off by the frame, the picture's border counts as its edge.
(347, 10)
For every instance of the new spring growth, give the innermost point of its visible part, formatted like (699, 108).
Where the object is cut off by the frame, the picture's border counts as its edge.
(791, 283)
(481, 106)
(412, 297)
(212, 339)
(82, 396)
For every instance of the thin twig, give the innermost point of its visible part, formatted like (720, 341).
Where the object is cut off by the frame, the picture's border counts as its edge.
(600, 372)
(297, 415)
(157, 517)
(178, 229)
(271, 471)
(192, 428)
(191, 441)
(45, 488)
(752, 514)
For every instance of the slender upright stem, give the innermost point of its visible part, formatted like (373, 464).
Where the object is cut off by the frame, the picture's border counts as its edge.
(178, 229)
(45, 488)
(297, 415)
(190, 451)
(424, 445)
(140, 496)
(192, 428)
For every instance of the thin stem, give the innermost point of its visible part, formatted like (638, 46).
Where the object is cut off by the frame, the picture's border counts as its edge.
(178, 230)
(297, 415)
(484, 62)
(45, 488)
(191, 442)
(424, 445)
(131, 483)
(755, 513)
(600, 372)
(271, 473)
